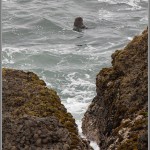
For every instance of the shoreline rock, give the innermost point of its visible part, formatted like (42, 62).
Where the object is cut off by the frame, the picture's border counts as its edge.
(117, 118)
(33, 116)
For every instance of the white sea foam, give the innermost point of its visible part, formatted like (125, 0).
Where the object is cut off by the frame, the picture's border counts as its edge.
(9, 55)
(92, 143)
(133, 3)
(87, 76)
(79, 93)
(79, 123)
(61, 49)
(66, 49)
(76, 108)
(11, 50)
(105, 14)
(145, 18)
(7, 0)
(130, 38)
(75, 81)
(7, 61)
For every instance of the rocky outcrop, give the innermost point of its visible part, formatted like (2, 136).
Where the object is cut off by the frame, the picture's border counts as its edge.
(33, 116)
(118, 116)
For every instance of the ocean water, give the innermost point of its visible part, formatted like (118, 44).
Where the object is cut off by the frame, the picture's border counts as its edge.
(37, 36)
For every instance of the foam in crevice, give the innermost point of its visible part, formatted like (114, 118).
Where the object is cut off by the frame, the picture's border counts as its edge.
(93, 144)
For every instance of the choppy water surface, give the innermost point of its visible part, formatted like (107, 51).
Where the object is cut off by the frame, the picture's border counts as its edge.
(38, 36)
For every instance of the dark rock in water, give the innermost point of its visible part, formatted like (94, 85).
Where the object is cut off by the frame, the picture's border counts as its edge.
(78, 24)
(33, 116)
(117, 118)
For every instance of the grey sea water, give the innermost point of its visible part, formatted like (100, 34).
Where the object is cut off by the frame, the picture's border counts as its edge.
(37, 36)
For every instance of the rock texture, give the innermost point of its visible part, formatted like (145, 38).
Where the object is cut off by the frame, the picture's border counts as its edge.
(118, 116)
(33, 116)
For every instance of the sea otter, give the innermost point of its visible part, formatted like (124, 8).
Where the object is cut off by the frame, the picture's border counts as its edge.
(78, 24)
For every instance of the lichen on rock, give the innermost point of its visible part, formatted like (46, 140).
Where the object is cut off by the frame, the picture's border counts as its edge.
(33, 116)
(117, 117)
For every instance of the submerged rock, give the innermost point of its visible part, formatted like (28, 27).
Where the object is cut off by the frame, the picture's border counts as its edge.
(33, 116)
(117, 118)
(78, 24)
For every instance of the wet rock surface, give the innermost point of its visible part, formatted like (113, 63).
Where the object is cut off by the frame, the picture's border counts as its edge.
(33, 116)
(118, 116)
